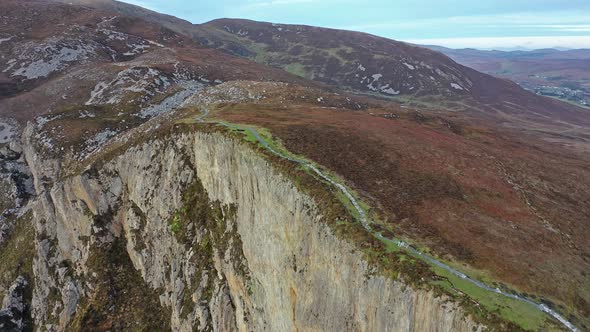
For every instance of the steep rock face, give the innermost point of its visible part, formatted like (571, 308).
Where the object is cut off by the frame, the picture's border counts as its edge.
(225, 241)
(15, 185)
(13, 310)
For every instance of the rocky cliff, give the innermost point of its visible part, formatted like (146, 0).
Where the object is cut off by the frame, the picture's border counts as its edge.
(197, 230)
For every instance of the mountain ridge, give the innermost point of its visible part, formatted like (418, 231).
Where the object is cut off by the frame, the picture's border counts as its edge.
(328, 58)
(559, 74)
(142, 149)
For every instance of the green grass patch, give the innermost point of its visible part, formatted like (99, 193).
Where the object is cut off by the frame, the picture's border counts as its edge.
(296, 68)
(336, 52)
(523, 314)
(518, 312)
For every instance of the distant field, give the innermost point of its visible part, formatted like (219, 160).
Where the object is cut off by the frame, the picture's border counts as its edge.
(564, 75)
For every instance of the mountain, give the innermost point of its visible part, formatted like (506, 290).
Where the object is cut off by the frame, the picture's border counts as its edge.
(367, 64)
(352, 60)
(87, 51)
(364, 63)
(546, 54)
(550, 72)
(153, 176)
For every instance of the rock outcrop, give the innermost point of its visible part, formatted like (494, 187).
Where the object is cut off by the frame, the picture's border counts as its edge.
(15, 184)
(215, 235)
(14, 307)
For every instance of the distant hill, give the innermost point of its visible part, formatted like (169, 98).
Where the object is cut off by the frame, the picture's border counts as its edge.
(368, 64)
(550, 72)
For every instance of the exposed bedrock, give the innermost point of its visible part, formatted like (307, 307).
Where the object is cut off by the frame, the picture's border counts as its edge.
(213, 237)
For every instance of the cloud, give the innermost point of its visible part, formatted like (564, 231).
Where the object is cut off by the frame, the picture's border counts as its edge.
(278, 3)
(142, 4)
(410, 20)
(526, 42)
(564, 27)
(556, 20)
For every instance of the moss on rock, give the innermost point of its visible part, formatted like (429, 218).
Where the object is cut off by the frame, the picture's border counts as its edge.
(120, 299)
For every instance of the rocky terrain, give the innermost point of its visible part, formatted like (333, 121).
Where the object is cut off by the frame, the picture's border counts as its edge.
(409, 74)
(159, 175)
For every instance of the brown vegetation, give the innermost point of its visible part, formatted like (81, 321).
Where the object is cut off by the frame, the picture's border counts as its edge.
(512, 209)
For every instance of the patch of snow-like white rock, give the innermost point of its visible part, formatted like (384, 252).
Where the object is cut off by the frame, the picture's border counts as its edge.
(189, 88)
(106, 22)
(86, 114)
(96, 93)
(5, 39)
(143, 80)
(456, 86)
(378, 87)
(46, 138)
(7, 132)
(11, 63)
(14, 307)
(35, 60)
(409, 66)
(390, 91)
(43, 120)
(96, 142)
(136, 49)
(112, 35)
(140, 46)
(135, 44)
(227, 92)
(147, 82)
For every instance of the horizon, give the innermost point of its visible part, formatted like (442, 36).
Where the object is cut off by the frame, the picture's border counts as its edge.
(504, 25)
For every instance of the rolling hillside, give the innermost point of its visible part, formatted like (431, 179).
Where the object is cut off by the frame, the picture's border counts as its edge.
(241, 175)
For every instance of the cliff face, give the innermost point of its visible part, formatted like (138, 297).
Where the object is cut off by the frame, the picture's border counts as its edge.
(198, 231)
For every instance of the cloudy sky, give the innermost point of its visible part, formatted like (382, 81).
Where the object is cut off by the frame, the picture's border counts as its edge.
(454, 23)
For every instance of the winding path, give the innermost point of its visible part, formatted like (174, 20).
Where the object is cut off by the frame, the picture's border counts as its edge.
(366, 224)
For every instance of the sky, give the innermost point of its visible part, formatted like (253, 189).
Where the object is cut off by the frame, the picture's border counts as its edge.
(483, 24)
